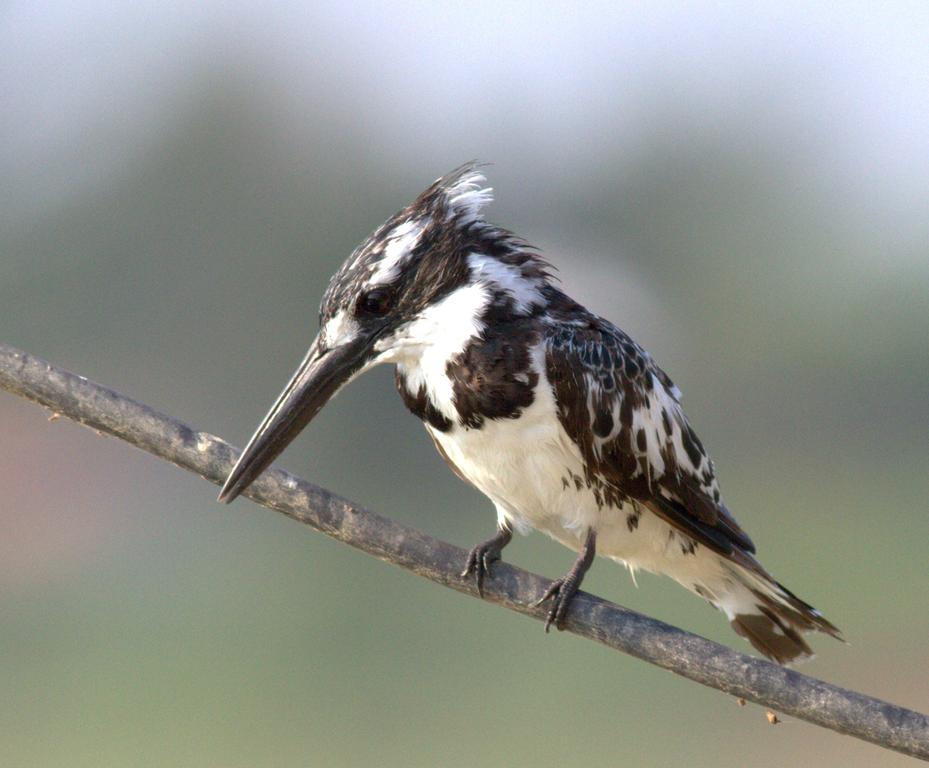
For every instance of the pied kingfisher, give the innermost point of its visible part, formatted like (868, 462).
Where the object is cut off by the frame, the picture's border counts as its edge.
(555, 414)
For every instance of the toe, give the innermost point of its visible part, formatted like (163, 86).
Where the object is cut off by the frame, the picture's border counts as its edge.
(472, 563)
(552, 591)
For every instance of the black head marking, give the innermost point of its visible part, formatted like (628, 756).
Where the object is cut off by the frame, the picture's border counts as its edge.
(421, 253)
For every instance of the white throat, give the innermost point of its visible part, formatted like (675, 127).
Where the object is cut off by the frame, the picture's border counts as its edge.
(422, 348)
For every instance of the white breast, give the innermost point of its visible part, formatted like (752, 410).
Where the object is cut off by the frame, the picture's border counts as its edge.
(527, 466)
(519, 463)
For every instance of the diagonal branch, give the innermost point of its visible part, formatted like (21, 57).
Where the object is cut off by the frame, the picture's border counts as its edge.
(685, 654)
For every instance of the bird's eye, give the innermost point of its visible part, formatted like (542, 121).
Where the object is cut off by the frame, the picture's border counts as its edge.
(376, 302)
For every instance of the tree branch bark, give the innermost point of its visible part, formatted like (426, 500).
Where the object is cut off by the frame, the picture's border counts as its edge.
(683, 653)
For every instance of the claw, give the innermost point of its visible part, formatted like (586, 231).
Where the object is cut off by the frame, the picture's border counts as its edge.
(552, 590)
(480, 560)
(483, 556)
(477, 565)
(563, 590)
(469, 565)
(559, 607)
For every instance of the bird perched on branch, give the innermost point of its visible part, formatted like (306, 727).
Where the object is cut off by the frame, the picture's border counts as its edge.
(555, 414)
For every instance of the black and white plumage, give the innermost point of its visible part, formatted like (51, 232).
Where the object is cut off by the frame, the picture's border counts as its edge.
(555, 414)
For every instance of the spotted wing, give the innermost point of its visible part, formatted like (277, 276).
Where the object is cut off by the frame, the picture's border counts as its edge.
(624, 414)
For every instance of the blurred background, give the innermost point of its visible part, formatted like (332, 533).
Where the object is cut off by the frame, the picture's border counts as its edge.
(744, 191)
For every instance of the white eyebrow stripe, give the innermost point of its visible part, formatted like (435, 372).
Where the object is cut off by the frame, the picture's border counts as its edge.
(400, 244)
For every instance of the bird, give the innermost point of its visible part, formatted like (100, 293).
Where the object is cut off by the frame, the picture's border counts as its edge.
(556, 415)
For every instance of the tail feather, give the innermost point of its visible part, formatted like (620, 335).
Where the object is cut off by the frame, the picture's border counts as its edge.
(769, 615)
(774, 638)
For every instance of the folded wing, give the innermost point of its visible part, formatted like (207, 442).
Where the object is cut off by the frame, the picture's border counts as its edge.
(625, 416)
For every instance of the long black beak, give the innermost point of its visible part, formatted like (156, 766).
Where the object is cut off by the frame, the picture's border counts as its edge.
(317, 379)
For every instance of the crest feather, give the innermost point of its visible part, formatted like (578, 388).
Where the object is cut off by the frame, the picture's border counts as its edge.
(464, 192)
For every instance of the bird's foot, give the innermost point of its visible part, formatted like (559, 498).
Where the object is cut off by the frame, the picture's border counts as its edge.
(562, 591)
(484, 555)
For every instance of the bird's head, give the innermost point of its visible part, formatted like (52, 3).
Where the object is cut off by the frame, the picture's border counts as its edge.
(431, 276)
